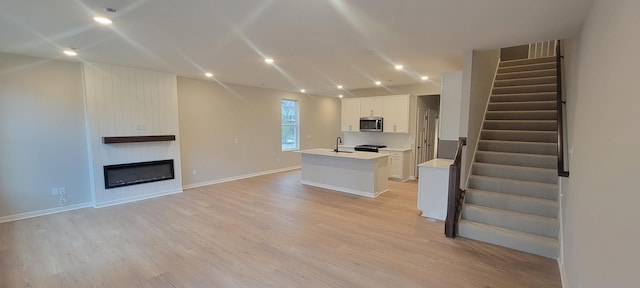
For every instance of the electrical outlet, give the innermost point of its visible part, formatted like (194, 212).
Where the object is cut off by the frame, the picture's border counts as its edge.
(278, 160)
(55, 192)
(194, 172)
(61, 191)
(236, 141)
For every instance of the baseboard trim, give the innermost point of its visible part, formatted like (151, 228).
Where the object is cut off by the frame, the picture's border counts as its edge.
(136, 198)
(563, 275)
(218, 181)
(44, 212)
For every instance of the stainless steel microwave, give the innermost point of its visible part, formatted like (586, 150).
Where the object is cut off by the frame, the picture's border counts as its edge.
(371, 124)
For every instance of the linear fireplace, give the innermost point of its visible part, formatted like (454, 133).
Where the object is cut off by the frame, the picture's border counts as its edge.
(137, 173)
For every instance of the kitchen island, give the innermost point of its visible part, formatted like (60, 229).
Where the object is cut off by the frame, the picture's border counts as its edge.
(360, 173)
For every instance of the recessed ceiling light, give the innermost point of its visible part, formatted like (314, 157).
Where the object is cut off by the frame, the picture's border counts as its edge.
(340, 87)
(268, 60)
(424, 78)
(340, 96)
(303, 91)
(208, 74)
(70, 52)
(102, 20)
(399, 67)
(378, 83)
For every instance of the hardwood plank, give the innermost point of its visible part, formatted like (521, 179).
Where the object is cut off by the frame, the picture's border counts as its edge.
(266, 231)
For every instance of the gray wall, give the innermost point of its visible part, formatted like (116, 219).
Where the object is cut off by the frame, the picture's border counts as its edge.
(212, 116)
(42, 134)
(600, 235)
(483, 68)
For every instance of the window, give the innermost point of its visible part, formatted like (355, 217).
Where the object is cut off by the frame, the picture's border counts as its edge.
(290, 119)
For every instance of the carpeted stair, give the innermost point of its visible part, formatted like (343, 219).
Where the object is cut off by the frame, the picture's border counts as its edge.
(512, 194)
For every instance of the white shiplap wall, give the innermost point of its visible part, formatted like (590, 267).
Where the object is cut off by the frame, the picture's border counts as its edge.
(123, 101)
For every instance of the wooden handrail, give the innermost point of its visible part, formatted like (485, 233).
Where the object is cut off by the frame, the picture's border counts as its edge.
(455, 193)
(559, 108)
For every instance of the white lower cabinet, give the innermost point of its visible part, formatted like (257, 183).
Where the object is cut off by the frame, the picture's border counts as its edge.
(398, 164)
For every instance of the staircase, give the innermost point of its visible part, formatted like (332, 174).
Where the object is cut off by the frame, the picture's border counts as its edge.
(512, 194)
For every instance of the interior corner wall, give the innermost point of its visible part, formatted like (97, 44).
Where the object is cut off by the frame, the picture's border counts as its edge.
(123, 101)
(600, 235)
(483, 69)
(232, 131)
(42, 134)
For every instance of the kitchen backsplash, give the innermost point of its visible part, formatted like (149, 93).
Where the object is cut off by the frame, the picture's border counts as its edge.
(376, 138)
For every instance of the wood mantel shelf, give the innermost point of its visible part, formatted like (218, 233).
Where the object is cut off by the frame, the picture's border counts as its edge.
(134, 139)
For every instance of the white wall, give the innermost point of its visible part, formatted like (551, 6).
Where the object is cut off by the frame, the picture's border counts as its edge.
(600, 205)
(482, 71)
(124, 101)
(42, 135)
(213, 116)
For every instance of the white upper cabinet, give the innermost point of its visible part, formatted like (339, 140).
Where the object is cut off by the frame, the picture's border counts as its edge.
(396, 114)
(371, 106)
(350, 120)
(394, 109)
(450, 102)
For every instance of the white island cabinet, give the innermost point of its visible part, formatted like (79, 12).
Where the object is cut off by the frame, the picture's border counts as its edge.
(360, 173)
(433, 188)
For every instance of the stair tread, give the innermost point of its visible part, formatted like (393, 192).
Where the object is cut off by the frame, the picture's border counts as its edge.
(523, 102)
(535, 237)
(516, 154)
(526, 78)
(520, 131)
(521, 120)
(509, 213)
(520, 111)
(527, 93)
(531, 61)
(521, 86)
(516, 142)
(512, 196)
(525, 72)
(522, 182)
(516, 167)
(521, 241)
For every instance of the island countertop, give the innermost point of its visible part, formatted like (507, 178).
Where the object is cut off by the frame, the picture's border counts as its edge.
(352, 155)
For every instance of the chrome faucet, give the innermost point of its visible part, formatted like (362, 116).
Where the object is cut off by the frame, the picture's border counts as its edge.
(338, 142)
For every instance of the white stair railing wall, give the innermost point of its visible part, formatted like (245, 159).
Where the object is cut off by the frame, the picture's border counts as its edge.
(542, 49)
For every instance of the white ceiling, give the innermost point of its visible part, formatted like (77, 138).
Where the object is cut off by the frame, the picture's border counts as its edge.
(316, 43)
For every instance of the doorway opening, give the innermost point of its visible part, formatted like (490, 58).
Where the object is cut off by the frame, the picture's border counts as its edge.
(426, 129)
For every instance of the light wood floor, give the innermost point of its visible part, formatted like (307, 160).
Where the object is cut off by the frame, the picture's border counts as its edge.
(267, 231)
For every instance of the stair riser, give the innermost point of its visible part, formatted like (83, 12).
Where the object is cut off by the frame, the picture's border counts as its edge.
(528, 136)
(527, 205)
(532, 125)
(526, 74)
(517, 147)
(522, 115)
(520, 62)
(518, 222)
(505, 240)
(516, 173)
(519, 188)
(525, 160)
(524, 89)
(546, 96)
(533, 67)
(525, 81)
(522, 106)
